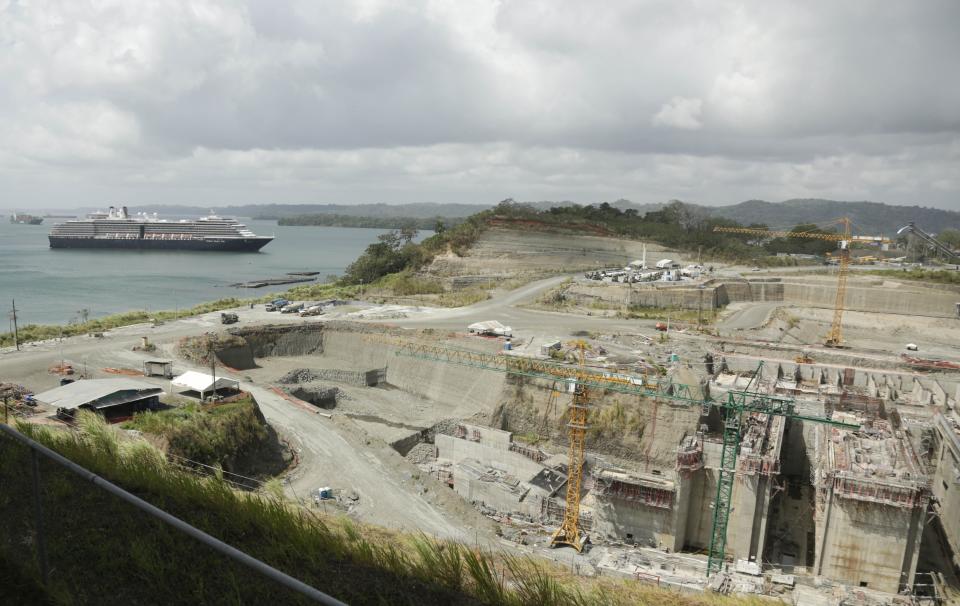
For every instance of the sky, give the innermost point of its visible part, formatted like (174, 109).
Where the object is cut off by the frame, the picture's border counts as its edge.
(233, 102)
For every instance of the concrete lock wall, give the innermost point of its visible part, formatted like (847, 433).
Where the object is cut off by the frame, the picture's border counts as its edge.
(946, 486)
(444, 384)
(876, 299)
(866, 543)
(649, 526)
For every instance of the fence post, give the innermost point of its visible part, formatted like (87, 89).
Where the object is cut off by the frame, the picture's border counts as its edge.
(38, 517)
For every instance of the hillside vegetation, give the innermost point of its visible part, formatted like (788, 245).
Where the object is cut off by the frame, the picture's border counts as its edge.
(127, 557)
(388, 222)
(233, 436)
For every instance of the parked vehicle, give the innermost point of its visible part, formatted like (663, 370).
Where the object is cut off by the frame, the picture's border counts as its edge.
(228, 318)
(313, 310)
(292, 308)
(277, 304)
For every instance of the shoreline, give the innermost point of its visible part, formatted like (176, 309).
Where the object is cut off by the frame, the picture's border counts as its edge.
(31, 333)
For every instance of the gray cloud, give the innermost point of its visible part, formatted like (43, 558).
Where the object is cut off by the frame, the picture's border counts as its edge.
(220, 102)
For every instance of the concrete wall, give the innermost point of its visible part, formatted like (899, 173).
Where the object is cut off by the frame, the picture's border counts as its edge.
(861, 542)
(681, 297)
(862, 295)
(446, 385)
(946, 485)
(458, 450)
(703, 491)
(494, 494)
(877, 299)
(650, 526)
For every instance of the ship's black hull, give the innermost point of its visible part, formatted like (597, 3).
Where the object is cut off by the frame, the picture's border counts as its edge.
(210, 244)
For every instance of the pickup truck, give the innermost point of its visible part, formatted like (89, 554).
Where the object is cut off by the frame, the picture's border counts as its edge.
(277, 304)
(292, 308)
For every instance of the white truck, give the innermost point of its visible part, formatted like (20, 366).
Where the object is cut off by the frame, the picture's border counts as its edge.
(491, 328)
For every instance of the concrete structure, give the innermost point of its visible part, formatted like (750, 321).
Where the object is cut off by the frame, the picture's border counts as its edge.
(871, 504)
(113, 398)
(878, 296)
(158, 368)
(488, 468)
(945, 486)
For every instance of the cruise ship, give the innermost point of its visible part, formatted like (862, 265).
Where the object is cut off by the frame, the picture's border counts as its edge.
(117, 229)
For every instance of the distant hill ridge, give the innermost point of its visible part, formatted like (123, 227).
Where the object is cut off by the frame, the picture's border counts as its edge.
(868, 217)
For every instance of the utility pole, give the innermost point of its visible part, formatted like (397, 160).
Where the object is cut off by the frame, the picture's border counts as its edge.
(213, 364)
(16, 338)
(700, 308)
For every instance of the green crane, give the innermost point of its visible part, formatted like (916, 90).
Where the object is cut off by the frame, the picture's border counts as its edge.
(736, 404)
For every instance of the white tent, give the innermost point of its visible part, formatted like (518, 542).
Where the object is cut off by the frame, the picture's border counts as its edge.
(203, 383)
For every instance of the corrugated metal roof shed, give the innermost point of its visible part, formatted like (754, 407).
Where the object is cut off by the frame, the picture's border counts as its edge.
(98, 393)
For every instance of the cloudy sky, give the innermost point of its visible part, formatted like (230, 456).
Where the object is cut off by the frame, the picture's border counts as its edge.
(474, 101)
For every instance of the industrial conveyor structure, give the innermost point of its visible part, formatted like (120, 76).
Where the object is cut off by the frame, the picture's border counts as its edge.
(937, 245)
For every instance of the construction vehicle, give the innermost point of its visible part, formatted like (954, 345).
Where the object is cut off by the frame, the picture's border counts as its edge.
(803, 358)
(277, 304)
(843, 239)
(228, 318)
(586, 382)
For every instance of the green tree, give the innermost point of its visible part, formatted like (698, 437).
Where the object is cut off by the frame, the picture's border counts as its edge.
(950, 237)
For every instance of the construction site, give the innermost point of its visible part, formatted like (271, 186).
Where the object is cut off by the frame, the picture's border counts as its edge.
(788, 434)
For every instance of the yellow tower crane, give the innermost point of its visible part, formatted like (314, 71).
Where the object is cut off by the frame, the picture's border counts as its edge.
(844, 239)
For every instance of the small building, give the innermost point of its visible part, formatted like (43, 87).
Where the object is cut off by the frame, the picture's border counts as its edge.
(158, 368)
(203, 384)
(115, 399)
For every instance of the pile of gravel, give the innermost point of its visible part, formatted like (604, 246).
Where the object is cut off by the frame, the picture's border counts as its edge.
(298, 375)
(422, 453)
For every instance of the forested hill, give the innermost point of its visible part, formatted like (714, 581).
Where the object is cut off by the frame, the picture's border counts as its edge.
(418, 210)
(868, 217)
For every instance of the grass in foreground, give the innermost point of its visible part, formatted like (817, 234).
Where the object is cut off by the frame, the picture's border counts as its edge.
(103, 550)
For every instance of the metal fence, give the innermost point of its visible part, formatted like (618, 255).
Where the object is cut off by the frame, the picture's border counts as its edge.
(57, 517)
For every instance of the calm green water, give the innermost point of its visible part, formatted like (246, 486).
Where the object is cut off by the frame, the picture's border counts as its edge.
(51, 286)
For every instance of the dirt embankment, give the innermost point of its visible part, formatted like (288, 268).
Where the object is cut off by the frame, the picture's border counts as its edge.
(506, 252)
(626, 426)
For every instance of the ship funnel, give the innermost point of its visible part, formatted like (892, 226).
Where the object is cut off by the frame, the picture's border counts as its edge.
(123, 212)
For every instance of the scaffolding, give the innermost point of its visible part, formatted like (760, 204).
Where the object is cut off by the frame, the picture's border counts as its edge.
(690, 454)
(534, 454)
(606, 487)
(899, 494)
